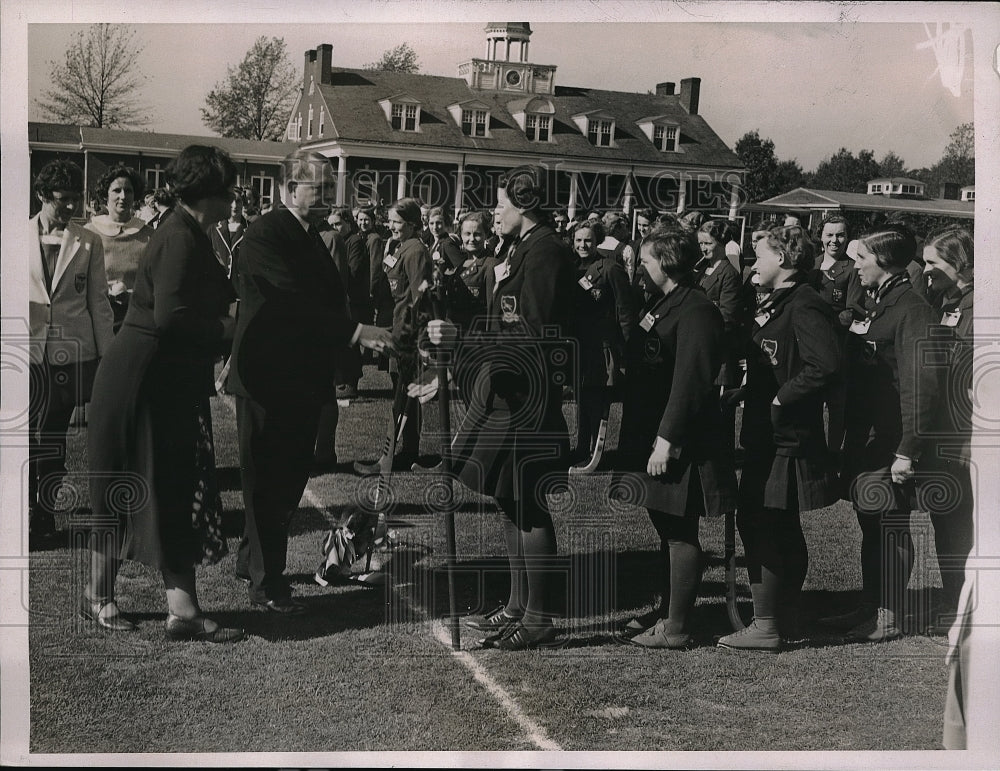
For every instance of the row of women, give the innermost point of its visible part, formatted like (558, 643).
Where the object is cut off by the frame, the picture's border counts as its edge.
(858, 338)
(513, 443)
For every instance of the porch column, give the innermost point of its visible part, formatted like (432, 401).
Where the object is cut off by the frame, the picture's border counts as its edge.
(574, 182)
(401, 181)
(628, 197)
(681, 193)
(341, 180)
(459, 187)
(734, 200)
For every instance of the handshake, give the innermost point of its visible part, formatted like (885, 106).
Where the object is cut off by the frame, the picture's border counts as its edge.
(376, 338)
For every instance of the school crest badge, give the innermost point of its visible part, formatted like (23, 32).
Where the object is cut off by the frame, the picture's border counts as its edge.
(838, 295)
(770, 349)
(651, 349)
(80, 282)
(508, 307)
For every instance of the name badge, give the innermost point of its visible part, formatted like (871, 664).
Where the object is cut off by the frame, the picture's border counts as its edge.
(436, 256)
(469, 263)
(647, 322)
(501, 271)
(586, 283)
(711, 270)
(860, 327)
(951, 319)
(390, 261)
(762, 319)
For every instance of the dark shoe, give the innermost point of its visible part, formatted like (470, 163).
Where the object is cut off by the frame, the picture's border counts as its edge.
(521, 637)
(402, 462)
(640, 624)
(427, 464)
(880, 627)
(658, 637)
(178, 629)
(494, 621)
(104, 613)
(752, 638)
(851, 619)
(507, 626)
(286, 607)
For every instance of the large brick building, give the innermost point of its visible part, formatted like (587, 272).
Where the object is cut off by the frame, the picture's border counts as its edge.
(446, 139)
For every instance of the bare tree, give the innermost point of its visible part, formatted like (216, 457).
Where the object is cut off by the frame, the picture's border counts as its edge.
(97, 83)
(254, 100)
(402, 58)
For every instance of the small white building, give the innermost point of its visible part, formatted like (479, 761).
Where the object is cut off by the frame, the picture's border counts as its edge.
(896, 186)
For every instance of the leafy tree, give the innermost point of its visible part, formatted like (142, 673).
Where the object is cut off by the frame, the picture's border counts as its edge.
(97, 82)
(958, 164)
(402, 58)
(254, 100)
(761, 163)
(766, 176)
(892, 165)
(788, 176)
(842, 171)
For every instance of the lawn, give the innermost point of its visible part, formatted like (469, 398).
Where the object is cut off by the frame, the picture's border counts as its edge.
(366, 668)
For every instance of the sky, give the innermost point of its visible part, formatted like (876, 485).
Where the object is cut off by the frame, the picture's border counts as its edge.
(812, 87)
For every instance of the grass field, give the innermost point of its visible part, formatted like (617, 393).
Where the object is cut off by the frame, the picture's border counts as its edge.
(369, 668)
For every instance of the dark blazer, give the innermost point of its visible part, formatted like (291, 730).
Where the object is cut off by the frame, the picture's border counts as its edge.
(447, 249)
(226, 244)
(670, 393)
(356, 275)
(293, 317)
(831, 284)
(605, 318)
(724, 287)
(891, 393)
(953, 427)
(406, 269)
(795, 356)
(512, 369)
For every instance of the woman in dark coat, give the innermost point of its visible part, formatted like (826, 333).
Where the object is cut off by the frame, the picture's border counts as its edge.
(512, 444)
(724, 287)
(795, 356)
(672, 432)
(150, 441)
(605, 317)
(948, 268)
(891, 398)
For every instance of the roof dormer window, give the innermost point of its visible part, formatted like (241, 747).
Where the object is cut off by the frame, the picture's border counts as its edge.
(474, 122)
(537, 127)
(402, 112)
(662, 131)
(600, 132)
(665, 138)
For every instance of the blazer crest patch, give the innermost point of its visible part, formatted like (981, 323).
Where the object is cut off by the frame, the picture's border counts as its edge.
(80, 283)
(508, 306)
(770, 348)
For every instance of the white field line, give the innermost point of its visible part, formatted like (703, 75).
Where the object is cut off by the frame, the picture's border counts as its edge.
(535, 733)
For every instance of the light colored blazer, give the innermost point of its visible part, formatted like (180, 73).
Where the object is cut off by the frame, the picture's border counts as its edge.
(74, 322)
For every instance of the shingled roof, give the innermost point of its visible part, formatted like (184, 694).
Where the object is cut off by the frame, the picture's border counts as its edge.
(89, 138)
(808, 198)
(352, 97)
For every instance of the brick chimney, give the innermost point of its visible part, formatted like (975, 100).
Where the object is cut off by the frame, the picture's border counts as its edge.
(318, 63)
(690, 91)
(665, 89)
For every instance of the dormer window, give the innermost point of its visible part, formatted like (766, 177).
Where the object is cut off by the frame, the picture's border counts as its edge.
(309, 127)
(322, 115)
(665, 138)
(536, 127)
(474, 122)
(402, 111)
(600, 132)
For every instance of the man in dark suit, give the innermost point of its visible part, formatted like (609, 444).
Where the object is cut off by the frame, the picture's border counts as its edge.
(294, 324)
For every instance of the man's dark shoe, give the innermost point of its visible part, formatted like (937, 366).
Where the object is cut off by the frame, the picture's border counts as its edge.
(284, 607)
(494, 621)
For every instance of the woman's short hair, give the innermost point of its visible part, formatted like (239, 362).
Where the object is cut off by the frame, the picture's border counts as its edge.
(164, 197)
(691, 219)
(667, 221)
(438, 211)
(674, 250)
(526, 187)
(835, 219)
(408, 210)
(58, 175)
(200, 171)
(647, 214)
(893, 245)
(120, 172)
(345, 214)
(792, 242)
(716, 229)
(482, 220)
(307, 166)
(954, 245)
(596, 229)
